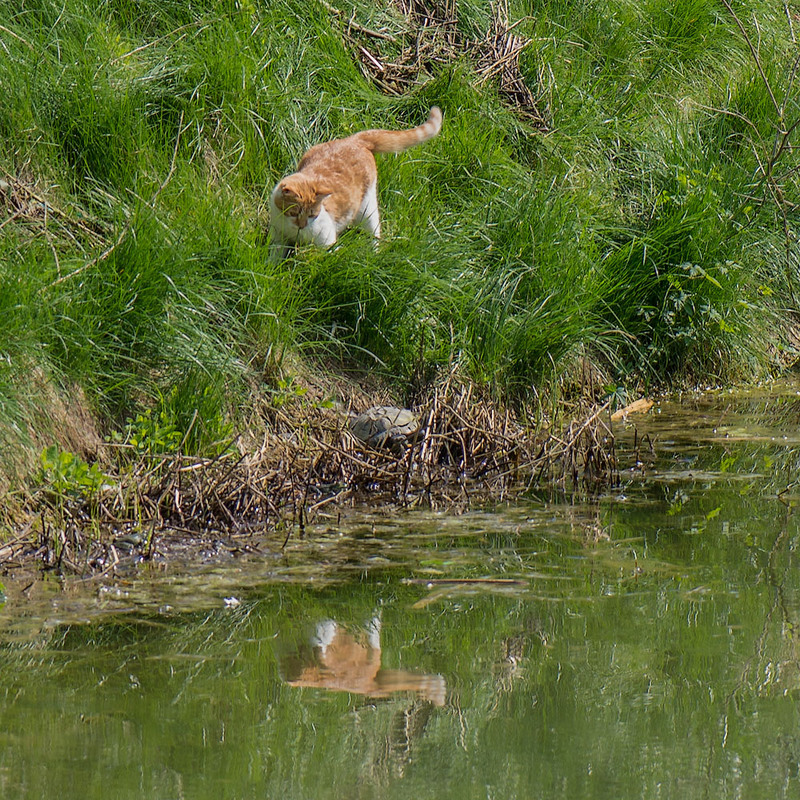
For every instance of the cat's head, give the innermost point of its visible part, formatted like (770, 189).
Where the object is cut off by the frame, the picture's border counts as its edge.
(299, 199)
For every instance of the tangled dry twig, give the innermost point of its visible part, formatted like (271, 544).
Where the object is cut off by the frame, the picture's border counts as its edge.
(306, 463)
(429, 37)
(25, 204)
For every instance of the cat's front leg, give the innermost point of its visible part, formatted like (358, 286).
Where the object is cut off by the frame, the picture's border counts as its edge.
(278, 248)
(323, 232)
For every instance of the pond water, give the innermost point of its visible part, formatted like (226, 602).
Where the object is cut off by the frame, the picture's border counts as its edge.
(646, 645)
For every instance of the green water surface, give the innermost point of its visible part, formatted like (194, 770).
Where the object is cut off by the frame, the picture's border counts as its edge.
(644, 645)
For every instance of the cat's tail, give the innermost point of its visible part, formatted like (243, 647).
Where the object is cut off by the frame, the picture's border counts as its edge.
(396, 141)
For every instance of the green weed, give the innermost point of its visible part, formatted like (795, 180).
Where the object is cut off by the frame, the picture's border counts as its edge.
(150, 434)
(66, 475)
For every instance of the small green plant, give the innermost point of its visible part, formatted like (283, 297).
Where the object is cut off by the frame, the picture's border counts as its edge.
(286, 391)
(66, 474)
(616, 396)
(150, 433)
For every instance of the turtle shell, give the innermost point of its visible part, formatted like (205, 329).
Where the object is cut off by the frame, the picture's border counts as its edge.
(380, 426)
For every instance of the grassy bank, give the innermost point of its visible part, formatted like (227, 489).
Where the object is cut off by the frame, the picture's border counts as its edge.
(615, 199)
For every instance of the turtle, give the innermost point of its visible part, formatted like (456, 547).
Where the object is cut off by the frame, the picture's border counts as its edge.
(385, 426)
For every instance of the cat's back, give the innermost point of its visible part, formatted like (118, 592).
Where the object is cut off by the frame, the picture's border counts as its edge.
(339, 157)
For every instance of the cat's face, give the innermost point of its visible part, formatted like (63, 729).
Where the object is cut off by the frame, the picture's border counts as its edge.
(299, 200)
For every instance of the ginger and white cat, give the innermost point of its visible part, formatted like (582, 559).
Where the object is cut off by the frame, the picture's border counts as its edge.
(336, 186)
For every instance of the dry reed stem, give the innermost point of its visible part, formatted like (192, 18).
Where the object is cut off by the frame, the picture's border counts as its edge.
(468, 450)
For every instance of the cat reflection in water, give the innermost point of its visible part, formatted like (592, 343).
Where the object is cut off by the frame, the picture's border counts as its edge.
(336, 187)
(337, 659)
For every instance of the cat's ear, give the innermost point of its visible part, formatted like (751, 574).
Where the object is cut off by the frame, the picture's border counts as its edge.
(286, 197)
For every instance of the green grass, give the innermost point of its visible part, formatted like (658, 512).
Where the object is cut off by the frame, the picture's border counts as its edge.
(638, 233)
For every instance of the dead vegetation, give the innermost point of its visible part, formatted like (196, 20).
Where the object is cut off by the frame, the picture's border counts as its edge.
(306, 463)
(30, 208)
(427, 37)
